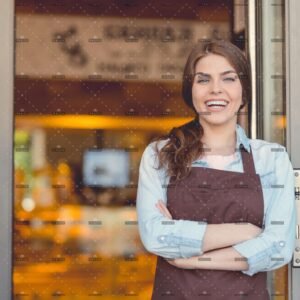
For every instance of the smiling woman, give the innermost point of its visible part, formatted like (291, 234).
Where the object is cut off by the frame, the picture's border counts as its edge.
(214, 230)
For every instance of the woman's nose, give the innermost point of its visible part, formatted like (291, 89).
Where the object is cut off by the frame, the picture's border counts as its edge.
(216, 88)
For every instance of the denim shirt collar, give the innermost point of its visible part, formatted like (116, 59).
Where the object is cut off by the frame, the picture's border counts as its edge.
(242, 138)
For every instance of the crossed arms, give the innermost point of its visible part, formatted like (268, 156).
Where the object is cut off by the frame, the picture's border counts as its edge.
(217, 236)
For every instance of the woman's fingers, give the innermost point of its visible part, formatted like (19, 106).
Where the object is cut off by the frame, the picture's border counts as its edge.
(163, 209)
(184, 263)
(171, 261)
(160, 208)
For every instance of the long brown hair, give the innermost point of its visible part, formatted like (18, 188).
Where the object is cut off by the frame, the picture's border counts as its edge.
(184, 144)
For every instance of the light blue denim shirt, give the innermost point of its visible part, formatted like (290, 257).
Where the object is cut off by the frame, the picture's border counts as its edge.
(268, 251)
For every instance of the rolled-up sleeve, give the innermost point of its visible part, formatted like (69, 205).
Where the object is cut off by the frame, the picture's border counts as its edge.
(160, 235)
(274, 247)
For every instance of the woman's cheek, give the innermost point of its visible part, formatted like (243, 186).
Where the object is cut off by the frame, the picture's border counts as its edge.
(197, 96)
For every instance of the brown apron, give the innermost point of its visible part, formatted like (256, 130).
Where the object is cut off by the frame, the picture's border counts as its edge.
(214, 196)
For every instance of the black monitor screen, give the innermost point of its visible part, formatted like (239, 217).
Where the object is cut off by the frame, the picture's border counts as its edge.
(106, 168)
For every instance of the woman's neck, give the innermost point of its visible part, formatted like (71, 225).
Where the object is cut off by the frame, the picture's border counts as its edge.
(219, 140)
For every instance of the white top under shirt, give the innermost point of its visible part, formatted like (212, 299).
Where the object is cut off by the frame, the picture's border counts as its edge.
(218, 161)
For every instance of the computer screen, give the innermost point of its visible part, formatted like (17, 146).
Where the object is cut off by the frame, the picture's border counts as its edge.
(106, 167)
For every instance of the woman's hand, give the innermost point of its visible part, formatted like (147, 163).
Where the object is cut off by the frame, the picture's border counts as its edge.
(252, 231)
(183, 263)
(162, 208)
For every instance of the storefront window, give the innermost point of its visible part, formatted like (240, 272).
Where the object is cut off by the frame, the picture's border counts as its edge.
(94, 83)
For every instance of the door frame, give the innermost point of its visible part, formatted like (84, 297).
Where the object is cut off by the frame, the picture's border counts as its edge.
(6, 147)
(292, 44)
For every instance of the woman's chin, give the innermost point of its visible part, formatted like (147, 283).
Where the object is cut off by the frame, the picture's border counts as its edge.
(214, 120)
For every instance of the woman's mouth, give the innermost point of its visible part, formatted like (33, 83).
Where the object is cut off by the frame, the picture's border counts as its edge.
(216, 105)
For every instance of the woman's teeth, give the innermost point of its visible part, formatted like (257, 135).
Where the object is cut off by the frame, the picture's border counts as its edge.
(216, 105)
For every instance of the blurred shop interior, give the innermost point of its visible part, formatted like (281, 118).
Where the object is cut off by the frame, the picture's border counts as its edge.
(95, 81)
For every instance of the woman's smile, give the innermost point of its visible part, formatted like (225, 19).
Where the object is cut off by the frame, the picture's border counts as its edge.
(216, 105)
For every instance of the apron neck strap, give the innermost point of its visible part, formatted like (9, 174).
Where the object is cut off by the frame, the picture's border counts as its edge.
(248, 162)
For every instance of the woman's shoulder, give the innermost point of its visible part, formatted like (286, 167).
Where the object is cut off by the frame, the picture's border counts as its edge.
(262, 146)
(265, 154)
(150, 158)
(150, 153)
(159, 144)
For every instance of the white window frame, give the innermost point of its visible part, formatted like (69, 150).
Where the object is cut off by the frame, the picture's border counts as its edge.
(6, 146)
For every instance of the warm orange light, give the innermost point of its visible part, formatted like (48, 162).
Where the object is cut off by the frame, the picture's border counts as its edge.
(281, 122)
(99, 122)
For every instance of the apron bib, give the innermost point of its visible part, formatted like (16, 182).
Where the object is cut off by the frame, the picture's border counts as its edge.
(214, 196)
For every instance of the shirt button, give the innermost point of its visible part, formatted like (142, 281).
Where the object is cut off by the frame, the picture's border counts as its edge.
(281, 243)
(162, 238)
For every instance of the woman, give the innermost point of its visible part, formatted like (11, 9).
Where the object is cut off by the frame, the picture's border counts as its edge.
(215, 206)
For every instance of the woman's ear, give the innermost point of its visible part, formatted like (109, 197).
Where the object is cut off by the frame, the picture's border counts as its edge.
(244, 102)
(242, 105)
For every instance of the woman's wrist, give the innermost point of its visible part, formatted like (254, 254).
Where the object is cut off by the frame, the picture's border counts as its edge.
(222, 259)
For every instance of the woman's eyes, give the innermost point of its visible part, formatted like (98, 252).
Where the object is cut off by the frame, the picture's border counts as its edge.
(227, 79)
(230, 79)
(202, 80)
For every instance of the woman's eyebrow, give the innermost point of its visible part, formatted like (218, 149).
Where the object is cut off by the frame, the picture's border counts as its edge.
(208, 75)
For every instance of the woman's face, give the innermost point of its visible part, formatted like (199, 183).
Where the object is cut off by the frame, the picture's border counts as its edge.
(215, 79)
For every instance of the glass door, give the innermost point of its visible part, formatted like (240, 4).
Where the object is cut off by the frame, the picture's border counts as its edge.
(86, 77)
(274, 42)
(94, 82)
